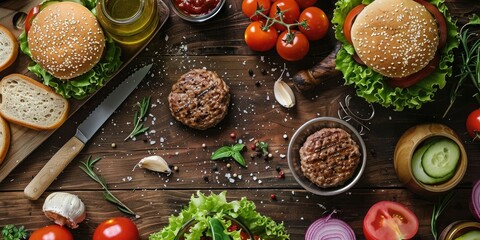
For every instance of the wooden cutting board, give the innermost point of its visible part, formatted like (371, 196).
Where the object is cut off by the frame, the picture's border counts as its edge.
(23, 140)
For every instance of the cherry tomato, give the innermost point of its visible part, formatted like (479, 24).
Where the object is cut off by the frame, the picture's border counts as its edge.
(317, 22)
(413, 79)
(30, 16)
(258, 39)
(290, 9)
(442, 25)
(296, 49)
(249, 7)
(473, 124)
(389, 220)
(119, 228)
(306, 3)
(347, 26)
(52, 232)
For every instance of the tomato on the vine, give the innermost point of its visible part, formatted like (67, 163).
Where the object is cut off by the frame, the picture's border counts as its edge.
(51, 232)
(258, 39)
(473, 124)
(317, 22)
(292, 50)
(249, 7)
(306, 3)
(30, 16)
(118, 228)
(290, 10)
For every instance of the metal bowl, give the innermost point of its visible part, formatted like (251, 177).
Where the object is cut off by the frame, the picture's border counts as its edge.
(458, 228)
(196, 18)
(405, 148)
(299, 139)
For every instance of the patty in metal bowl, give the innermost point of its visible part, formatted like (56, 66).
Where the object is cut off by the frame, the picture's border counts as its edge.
(329, 157)
(199, 99)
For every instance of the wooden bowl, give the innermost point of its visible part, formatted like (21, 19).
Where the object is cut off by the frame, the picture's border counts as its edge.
(457, 229)
(406, 146)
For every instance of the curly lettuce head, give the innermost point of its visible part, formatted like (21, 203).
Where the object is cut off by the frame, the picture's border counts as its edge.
(202, 208)
(371, 85)
(81, 86)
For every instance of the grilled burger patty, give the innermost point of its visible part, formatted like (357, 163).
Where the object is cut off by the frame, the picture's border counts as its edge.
(329, 157)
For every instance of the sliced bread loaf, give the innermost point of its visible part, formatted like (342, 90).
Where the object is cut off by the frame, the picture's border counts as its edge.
(4, 139)
(8, 48)
(28, 103)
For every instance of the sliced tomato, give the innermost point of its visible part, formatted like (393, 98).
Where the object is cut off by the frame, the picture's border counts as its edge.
(357, 59)
(411, 80)
(30, 16)
(347, 25)
(389, 220)
(442, 24)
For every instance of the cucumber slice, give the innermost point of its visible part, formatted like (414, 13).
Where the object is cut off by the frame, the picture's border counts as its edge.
(417, 169)
(472, 235)
(441, 158)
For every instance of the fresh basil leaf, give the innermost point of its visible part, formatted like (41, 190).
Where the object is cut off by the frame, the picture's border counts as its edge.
(223, 152)
(238, 147)
(218, 232)
(237, 156)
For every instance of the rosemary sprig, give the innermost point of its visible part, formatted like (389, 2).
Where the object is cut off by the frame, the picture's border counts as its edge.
(138, 127)
(437, 211)
(88, 169)
(470, 61)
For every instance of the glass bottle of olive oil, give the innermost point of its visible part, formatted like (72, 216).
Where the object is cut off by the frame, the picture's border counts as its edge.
(128, 22)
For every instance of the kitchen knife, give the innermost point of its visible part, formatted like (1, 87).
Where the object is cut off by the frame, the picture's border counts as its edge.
(85, 131)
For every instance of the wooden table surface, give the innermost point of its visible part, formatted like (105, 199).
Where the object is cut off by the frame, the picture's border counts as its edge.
(218, 45)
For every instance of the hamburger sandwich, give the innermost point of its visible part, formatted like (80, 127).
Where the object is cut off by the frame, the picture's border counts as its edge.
(396, 52)
(69, 49)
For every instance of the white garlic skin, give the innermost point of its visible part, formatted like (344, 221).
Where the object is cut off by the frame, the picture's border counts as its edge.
(64, 209)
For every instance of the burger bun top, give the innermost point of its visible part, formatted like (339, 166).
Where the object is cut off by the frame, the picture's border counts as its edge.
(66, 40)
(396, 38)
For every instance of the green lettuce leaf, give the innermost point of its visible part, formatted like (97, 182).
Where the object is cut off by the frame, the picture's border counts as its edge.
(81, 86)
(371, 85)
(203, 208)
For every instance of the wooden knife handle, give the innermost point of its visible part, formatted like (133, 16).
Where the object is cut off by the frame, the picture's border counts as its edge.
(306, 80)
(53, 168)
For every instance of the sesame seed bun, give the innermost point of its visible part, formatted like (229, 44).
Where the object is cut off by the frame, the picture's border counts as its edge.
(66, 40)
(395, 37)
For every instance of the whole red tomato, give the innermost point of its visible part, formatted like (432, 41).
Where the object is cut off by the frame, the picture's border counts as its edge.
(249, 7)
(290, 15)
(473, 124)
(52, 232)
(295, 49)
(317, 22)
(306, 3)
(258, 39)
(389, 220)
(119, 228)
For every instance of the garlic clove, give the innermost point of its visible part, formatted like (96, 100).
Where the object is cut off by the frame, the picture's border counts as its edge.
(64, 209)
(283, 94)
(154, 163)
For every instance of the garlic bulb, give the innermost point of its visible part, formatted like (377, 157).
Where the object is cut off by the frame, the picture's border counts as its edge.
(64, 209)
(154, 163)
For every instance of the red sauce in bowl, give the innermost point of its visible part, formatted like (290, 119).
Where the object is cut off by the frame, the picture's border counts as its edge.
(196, 7)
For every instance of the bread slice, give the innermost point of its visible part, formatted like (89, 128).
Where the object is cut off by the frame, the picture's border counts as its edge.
(4, 139)
(8, 48)
(28, 103)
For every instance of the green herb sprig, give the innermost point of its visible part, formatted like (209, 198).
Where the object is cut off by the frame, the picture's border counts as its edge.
(437, 211)
(263, 147)
(138, 127)
(88, 169)
(470, 61)
(233, 151)
(12, 232)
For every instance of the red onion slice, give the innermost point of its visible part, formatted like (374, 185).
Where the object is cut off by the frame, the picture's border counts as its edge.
(328, 228)
(475, 200)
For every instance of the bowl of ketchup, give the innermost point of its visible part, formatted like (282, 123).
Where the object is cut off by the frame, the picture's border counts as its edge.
(196, 10)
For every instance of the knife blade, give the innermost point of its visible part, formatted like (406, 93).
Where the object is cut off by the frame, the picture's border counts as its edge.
(84, 132)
